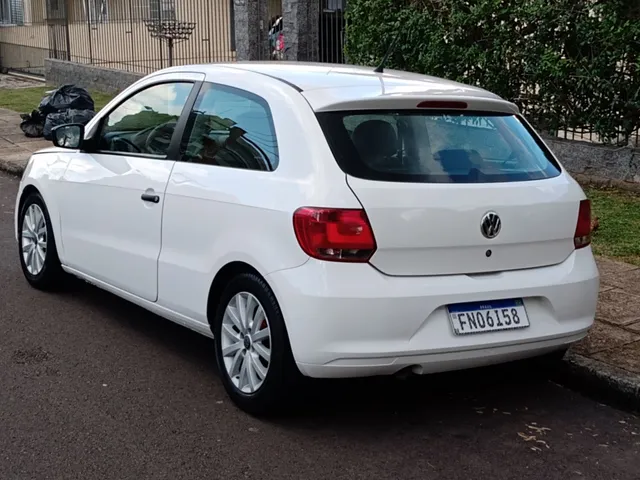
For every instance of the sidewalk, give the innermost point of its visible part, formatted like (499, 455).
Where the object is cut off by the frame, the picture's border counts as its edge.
(15, 148)
(610, 354)
(609, 357)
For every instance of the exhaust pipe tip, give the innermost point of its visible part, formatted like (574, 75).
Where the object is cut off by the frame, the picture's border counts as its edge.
(408, 372)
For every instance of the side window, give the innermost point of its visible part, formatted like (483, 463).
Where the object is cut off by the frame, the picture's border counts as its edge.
(145, 122)
(233, 128)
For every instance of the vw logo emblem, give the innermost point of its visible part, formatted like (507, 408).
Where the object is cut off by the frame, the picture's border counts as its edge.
(490, 225)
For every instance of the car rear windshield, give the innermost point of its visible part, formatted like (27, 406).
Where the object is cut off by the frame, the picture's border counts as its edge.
(442, 147)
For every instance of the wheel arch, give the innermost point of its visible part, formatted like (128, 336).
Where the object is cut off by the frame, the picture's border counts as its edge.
(222, 278)
(54, 215)
(26, 191)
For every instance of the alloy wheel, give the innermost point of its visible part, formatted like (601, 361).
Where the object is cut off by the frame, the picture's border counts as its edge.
(34, 239)
(246, 342)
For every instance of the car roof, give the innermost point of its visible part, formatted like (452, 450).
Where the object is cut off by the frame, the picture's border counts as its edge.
(339, 86)
(312, 76)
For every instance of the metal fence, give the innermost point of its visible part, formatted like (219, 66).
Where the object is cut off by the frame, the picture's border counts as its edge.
(584, 133)
(588, 134)
(146, 35)
(331, 36)
(132, 35)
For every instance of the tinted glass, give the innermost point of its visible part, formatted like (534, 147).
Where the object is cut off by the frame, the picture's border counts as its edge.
(231, 128)
(145, 122)
(412, 146)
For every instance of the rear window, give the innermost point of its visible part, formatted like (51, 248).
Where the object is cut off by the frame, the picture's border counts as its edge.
(443, 147)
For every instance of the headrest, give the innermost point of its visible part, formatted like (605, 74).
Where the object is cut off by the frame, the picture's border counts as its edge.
(454, 160)
(375, 137)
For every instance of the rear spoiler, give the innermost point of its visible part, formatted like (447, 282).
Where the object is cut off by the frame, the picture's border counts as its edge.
(325, 100)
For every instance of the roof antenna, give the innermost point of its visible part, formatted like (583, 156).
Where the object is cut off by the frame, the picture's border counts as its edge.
(380, 68)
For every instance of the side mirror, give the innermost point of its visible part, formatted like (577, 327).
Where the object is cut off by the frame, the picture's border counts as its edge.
(68, 136)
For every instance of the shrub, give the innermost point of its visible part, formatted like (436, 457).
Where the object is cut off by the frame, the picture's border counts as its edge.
(567, 63)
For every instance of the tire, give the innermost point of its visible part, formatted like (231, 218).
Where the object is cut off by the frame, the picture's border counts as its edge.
(48, 274)
(276, 389)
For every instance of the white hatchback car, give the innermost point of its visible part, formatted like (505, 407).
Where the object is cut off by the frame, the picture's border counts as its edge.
(326, 220)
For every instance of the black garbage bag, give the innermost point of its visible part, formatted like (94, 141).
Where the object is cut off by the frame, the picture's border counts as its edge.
(63, 118)
(33, 124)
(65, 98)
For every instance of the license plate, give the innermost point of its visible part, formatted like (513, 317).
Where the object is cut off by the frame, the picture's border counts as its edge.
(490, 316)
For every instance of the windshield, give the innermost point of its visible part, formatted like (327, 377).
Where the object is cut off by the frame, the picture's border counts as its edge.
(428, 147)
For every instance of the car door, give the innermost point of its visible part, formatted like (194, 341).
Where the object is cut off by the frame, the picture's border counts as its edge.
(229, 150)
(111, 213)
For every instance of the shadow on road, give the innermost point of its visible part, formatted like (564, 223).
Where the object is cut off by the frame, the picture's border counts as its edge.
(513, 384)
(129, 374)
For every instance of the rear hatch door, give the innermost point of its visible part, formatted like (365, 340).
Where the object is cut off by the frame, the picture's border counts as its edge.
(450, 192)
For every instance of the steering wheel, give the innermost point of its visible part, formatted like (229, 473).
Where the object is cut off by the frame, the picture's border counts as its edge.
(162, 130)
(129, 145)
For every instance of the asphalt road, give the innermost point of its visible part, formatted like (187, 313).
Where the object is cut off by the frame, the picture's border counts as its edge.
(92, 387)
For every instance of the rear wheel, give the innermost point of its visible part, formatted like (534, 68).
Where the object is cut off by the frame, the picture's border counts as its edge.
(38, 254)
(252, 347)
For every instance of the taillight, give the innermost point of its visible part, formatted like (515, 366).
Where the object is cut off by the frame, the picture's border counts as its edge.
(443, 104)
(582, 238)
(337, 235)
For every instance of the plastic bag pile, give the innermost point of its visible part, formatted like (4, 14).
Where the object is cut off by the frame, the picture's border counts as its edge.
(67, 104)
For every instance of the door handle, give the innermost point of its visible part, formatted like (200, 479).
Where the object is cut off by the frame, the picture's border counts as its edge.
(150, 197)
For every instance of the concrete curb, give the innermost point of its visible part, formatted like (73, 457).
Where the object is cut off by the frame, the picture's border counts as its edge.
(26, 76)
(12, 167)
(602, 182)
(601, 379)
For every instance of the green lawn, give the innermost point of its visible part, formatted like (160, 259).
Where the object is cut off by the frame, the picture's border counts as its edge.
(24, 100)
(618, 234)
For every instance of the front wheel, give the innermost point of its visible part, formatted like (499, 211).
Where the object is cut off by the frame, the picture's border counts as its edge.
(252, 347)
(37, 247)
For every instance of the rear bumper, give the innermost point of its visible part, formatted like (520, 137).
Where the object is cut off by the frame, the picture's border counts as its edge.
(433, 362)
(349, 320)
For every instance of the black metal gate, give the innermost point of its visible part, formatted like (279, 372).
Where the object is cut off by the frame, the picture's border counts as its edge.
(272, 34)
(331, 31)
(58, 29)
(327, 44)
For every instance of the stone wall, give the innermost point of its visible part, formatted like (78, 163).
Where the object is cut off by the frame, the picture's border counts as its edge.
(250, 29)
(590, 163)
(60, 72)
(301, 28)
